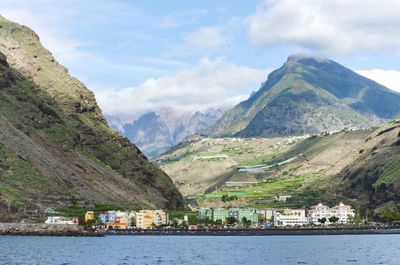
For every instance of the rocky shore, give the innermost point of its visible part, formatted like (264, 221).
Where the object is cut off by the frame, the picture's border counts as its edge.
(43, 230)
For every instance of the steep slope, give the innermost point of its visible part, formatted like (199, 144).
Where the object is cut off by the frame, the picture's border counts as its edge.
(154, 133)
(373, 178)
(309, 95)
(55, 145)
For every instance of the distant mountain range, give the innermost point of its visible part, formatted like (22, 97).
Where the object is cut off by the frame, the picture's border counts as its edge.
(156, 132)
(309, 95)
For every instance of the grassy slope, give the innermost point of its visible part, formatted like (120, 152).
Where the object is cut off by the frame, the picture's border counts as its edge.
(55, 114)
(194, 169)
(373, 178)
(309, 178)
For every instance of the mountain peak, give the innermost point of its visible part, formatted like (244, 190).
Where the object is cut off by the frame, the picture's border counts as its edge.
(309, 95)
(306, 59)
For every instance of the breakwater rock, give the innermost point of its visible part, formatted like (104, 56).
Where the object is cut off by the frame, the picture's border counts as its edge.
(42, 230)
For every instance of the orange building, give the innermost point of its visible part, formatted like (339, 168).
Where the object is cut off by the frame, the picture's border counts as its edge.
(119, 223)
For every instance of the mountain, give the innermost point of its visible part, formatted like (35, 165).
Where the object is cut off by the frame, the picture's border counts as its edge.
(373, 177)
(309, 95)
(208, 164)
(56, 148)
(360, 167)
(155, 133)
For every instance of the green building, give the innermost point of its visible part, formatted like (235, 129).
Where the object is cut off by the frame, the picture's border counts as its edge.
(206, 213)
(221, 214)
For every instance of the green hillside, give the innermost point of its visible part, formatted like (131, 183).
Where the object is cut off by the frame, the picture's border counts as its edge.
(56, 148)
(303, 167)
(360, 167)
(309, 95)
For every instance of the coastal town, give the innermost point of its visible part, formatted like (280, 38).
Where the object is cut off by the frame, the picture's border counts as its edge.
(249, 218)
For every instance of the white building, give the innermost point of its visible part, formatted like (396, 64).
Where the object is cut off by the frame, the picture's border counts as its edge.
(291, 217)
(62, 220)
(341, 211)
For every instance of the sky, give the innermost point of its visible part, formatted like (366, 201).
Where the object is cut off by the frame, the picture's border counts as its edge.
(140, 56)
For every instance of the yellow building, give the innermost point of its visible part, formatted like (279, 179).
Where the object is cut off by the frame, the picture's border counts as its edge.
(146, 219)
(89, 215)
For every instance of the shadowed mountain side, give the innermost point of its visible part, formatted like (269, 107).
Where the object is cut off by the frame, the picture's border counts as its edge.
(56, 148)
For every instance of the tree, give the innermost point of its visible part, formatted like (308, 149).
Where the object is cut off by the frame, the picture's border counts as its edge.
(218, 223)
(227, 198)
(333, 219)
(246, 223)
(231, 220)
(322, 220)
(389, 216)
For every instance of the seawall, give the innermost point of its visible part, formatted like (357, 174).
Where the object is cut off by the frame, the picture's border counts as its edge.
(258, 232)
(42, 230)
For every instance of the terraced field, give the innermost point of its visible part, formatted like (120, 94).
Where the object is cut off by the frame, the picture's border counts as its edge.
(298, 166)
(207, 164)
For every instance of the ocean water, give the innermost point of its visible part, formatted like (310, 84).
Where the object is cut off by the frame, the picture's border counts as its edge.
(230, 250)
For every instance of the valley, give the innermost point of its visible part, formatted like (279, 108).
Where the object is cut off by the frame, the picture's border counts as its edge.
(256, 172)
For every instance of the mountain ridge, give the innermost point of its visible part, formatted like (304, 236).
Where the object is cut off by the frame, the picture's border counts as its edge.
(287, 100)
(156, 132)
(61, 149)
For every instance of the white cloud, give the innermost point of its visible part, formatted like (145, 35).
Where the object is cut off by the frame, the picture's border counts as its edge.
(181, 18)
(53, 37)
(388, 78)
(211, 83)
(206, 38)
(328, 27)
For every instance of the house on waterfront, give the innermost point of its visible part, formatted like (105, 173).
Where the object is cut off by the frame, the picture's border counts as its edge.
(222, 214)
(342, 211)
(291, 217)
(89, 215)
(108, 216)
(62, 220)
(146, 219)
(121, 221)
(266, 214)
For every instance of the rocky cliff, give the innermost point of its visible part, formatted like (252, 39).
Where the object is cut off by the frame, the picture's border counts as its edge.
(56, 148)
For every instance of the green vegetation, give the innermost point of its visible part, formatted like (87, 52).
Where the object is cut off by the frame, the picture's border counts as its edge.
(267, 189)
(18, 177)
(68, 148)
(390, 174)
(79, 211)
(333, 219)
(231, 220)
(192, 216)
(227, 198)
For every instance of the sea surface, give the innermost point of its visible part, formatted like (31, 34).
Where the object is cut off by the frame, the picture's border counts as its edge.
(230, 250)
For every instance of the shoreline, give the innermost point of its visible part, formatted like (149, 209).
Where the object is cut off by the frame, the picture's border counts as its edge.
(257, 232)
(18, 229)
(15, 229)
